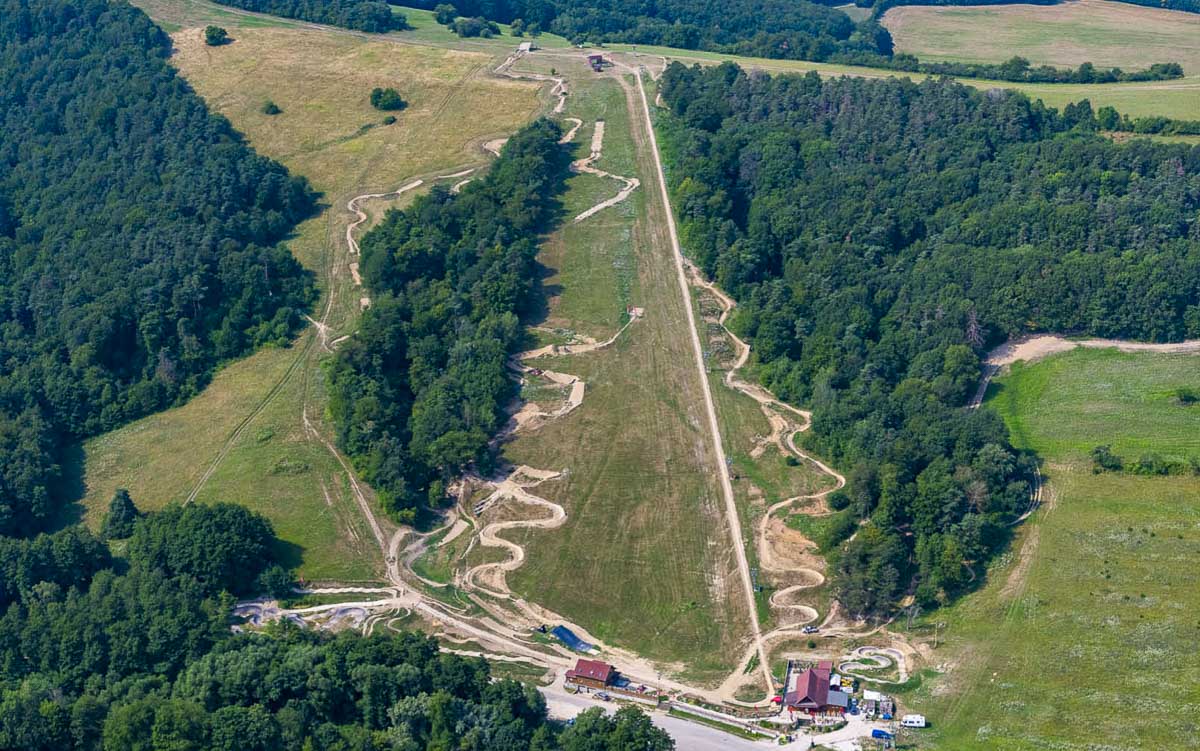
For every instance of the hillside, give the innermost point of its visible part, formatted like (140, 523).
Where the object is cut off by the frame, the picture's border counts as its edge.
(878, 235)
(139, 238)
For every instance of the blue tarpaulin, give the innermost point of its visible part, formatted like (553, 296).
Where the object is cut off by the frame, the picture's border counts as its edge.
(568, 637)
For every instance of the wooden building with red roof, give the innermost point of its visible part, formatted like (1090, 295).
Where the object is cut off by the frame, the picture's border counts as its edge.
(592, 673)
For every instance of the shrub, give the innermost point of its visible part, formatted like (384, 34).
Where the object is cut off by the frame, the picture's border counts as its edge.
(839, 500)
(1187, 396)
(445, 14)
(215, 36)
(389, 120)
(1104, 460)
(387, 99)
(270, 108)
(475, 27)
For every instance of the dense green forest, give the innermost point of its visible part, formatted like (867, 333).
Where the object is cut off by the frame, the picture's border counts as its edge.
(879, 236)
(418, 393)
(137, 654)
(360, 15)
(139, 238)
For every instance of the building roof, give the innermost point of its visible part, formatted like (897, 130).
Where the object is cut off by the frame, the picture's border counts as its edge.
(592, 669)
(869, 695)
(838, 699)
(808, 690)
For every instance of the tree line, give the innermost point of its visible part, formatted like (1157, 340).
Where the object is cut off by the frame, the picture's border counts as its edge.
(795, 29)
(361, 15)
(880, 236)
(419, 392)
(779, 29)
(139, 238)
(100, 653)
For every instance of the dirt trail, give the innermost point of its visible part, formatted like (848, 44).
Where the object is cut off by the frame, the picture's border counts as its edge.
(630, 184)
(355, 206)
(731, 510)
(515, 485)
(784, 430)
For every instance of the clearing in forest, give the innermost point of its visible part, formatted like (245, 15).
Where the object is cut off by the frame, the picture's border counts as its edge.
(1102, 32)
(1087, 628)
(245, 438)
(642, 560)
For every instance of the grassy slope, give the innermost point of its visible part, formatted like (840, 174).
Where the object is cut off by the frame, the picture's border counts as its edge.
(274, 467)
(1084, 635)
(640, 560)
(1097, 31)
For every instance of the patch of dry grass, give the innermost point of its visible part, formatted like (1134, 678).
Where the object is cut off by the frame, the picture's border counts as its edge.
(321, 80)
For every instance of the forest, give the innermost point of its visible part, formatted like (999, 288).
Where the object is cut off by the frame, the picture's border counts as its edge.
(780, 29)
(99, 653)
(361, 15)
(419, 392)
(139, 239)
(880, 236)
(795, 29)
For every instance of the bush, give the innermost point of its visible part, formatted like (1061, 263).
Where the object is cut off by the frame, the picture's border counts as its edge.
(445, 14)
(389, 120)
(839, 500)
(270, 108)
(1104, 460)
(387, 99)
(215, 36)
(1187, 396)
(475, 27)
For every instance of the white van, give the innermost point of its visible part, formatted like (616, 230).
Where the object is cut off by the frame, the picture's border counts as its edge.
(913, 721)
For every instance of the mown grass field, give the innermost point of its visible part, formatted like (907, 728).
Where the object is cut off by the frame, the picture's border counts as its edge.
(643, 560)
(1084, 636)
(1102, 32)
(321, 80)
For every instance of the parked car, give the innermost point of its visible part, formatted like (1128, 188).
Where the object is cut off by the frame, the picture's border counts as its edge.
(881, 734)
(810, 629)
(603, 696)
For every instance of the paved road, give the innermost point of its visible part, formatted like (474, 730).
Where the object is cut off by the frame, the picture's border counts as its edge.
(689, 736)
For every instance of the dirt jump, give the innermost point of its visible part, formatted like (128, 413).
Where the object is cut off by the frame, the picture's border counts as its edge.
(629, 184)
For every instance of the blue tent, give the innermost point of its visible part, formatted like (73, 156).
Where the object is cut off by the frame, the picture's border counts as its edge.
(568, 637)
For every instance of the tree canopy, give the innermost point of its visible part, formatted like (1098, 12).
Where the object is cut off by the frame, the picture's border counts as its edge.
(361, 15)
(417, 394)
(879, 236)
(139, 238)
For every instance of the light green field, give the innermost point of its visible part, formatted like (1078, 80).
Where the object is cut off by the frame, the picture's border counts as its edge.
(248, 426)
(1084, 636)
(1105, 33)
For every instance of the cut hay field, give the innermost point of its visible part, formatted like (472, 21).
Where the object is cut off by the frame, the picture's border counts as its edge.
(642, 561)
(248, 426)
(1084, 635)
(1102, 32)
